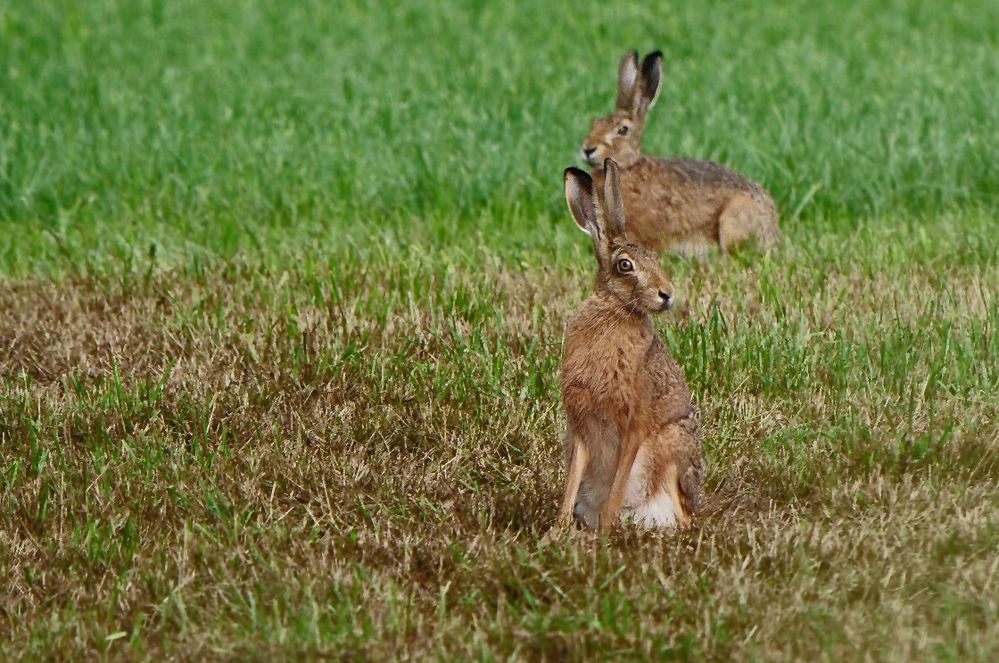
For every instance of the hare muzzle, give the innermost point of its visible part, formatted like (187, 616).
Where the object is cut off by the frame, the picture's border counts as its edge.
(667, 300)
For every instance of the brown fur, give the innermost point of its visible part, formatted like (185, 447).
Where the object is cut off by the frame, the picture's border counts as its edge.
(684, 205)
(633, 438)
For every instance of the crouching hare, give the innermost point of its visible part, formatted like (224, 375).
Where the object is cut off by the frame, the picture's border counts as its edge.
(633, 439)
(684, 205)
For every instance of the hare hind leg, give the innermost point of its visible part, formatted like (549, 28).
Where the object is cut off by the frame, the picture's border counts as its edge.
(663, 509)
(672, 477)
(744, 218)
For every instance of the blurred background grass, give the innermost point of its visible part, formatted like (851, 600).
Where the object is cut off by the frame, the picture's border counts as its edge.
(269, 129)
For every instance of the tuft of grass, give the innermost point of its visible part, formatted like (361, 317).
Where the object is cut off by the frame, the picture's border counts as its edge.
(284, 291)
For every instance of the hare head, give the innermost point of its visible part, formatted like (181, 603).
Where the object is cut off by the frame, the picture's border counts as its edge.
(627, 272)
(619, 136)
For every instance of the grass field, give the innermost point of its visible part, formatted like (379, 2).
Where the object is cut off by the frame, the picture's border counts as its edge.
(283, 292)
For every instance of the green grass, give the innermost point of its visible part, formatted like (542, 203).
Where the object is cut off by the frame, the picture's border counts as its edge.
(217, 128)
(284, 291)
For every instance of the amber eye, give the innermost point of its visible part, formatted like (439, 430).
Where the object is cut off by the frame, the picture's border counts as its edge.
(622, 130)
(624, 266)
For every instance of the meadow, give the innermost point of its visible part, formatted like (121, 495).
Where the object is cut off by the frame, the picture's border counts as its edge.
(283, 290)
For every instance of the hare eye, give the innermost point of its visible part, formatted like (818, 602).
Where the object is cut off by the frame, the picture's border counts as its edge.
(624, 266)
(622, 130)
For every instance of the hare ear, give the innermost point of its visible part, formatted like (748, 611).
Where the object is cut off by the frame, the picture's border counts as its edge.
(627, 81)
(652, 81)
(582, 204)
(613, 207)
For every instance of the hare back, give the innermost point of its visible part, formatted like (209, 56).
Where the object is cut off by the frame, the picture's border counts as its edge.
(678, 201)
(700, 172)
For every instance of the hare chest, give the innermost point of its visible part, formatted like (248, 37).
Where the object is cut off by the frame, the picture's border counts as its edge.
(605, 380)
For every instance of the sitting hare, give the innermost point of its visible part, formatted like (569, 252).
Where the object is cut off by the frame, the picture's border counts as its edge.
(684, 205)
(633, 438)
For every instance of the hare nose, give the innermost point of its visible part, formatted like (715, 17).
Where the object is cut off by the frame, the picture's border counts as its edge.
(667, 299)
(588, 151)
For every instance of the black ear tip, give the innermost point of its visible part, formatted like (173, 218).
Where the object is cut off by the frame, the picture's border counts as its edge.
(576, 174)
(655, 55)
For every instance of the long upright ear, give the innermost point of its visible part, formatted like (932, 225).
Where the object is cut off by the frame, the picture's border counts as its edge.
(613, 208)
(651, 82)
(627, 81)
(582, 204)
(580, 196)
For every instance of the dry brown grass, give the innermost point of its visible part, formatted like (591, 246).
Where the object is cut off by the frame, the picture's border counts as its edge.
(245, 463)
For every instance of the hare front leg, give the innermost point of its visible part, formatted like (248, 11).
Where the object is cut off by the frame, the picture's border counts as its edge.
(625, 461)
(579, 456)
